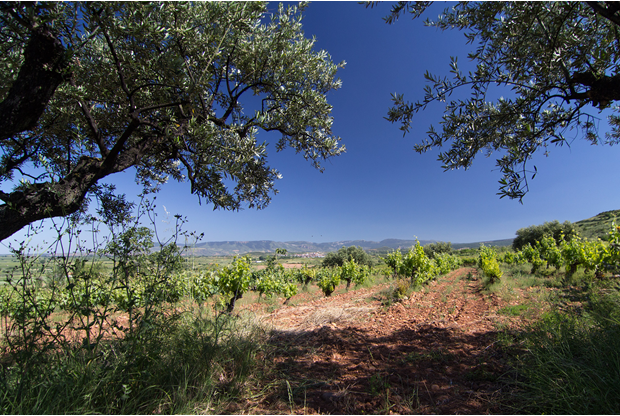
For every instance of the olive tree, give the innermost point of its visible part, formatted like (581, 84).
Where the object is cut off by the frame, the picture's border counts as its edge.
(554, 63)
(344, 254)
(533, 234)
(173, 90)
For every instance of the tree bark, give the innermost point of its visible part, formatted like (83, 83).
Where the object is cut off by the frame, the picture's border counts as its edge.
(602, 90)
(43, 70)
(62, 198)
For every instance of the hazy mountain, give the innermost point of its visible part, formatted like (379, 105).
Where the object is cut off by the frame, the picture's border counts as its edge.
(227, 248)
(597, 226)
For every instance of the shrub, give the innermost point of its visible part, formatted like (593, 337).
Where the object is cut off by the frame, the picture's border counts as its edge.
(350, 271)
(328, 280)
(440, 247)
(344, 254)
(531, 235)
(487, 261)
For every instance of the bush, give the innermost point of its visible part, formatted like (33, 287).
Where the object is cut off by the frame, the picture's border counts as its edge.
(487, 261)
(414, 264)
(344, 254)
(328, 280)
(440, 247)
(531, 235)
(352, 272)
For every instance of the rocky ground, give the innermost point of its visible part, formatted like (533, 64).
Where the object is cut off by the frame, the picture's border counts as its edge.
(434, 352)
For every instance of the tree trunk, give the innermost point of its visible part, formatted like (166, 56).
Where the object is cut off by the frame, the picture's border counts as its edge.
(62, 198)
(231, 304)
(43, 70)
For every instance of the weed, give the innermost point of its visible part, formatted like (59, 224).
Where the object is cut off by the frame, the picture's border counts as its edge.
(378, 384)
(513, 310)
(481, 373)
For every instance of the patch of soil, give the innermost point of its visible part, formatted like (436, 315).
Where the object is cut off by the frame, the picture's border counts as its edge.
(433, 352)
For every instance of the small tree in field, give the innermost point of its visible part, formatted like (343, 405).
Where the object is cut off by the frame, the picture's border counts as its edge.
(531, 235)
(234, 281)
(345, 254)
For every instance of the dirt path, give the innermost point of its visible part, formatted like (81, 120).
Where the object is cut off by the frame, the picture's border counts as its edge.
(434, 352)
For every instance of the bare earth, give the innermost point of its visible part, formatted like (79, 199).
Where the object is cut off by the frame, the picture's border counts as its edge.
(433, 353)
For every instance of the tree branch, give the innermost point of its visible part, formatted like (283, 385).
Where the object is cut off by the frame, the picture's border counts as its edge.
(41, 73)
(608, 12)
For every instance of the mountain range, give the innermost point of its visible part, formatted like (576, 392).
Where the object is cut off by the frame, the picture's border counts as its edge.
(595, 227)
(227, 248)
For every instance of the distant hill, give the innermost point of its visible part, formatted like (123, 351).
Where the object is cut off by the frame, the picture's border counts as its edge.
(599, 225)
(495, 243)
(228, 248)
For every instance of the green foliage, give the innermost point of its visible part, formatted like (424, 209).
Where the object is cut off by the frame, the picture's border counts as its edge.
(234, 280)
(69, 303)
(414, 264)
(344, 254)
(585, 253)
(327, 280)
(595, 257)
(610, 261)
(275, 281)
(553, 91)
(511, 257)
(394, 260)
(535, 233)
(446, 262)
(199, 286)
(196, 361)
(549, 251)
(350, 272)
(439, 247)
(487, 261)
(169, 89)
(305, 275)
(532, 255)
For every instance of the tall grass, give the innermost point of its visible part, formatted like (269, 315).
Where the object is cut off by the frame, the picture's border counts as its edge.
(198, 364)
(569, 359)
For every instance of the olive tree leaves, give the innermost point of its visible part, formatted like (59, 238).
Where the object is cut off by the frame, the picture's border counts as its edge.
(557, 64)
(174, 90)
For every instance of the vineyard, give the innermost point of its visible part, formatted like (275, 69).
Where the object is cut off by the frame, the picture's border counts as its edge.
(119, 313)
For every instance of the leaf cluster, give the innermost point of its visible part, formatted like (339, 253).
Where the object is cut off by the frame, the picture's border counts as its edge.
(533, 234)
(175, 90)
(554, 67)
(344, 254)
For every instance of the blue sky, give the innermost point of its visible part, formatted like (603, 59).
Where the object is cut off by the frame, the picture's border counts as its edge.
(380, 188)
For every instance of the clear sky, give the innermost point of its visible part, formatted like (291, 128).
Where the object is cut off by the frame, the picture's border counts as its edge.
(380, 188)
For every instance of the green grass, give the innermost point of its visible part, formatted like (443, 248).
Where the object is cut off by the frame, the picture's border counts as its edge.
(513, 310)
(199, 363)
(572, 366)
(568, 360)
